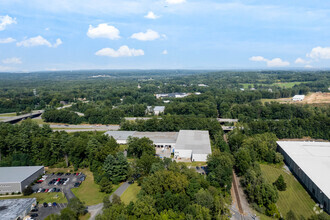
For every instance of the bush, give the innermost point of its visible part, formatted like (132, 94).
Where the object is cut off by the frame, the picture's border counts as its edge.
(28, 191)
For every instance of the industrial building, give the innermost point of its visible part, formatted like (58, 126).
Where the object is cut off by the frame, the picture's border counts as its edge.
(298, 97)
(156, 110)
(310, 163)
(16, 179)
(14, 209)
(191, 145)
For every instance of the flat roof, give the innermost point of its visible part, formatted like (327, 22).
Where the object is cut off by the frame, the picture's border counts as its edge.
(120, 135)
(17, 174)
(12, 208)
(313, 158)
(158, 137)
(195, 140)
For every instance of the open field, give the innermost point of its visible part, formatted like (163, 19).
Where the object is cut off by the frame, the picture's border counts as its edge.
(41, 197)
(130, 193)
(295, 197)
(312, 98)
(89, 192)
(317, 98)
(280, 84)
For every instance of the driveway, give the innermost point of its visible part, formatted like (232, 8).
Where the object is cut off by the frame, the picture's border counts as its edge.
(97, 209)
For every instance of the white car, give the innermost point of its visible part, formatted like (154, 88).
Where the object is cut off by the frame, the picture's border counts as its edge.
(39, 190)
(50, 204)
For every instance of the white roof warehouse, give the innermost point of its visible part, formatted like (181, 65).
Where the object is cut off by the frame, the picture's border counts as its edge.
(189, 144)
(310, 162)
(16, 179)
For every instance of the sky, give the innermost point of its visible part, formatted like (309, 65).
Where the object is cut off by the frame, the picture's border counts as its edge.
(39, 35)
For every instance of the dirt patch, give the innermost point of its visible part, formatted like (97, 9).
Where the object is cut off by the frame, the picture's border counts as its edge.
(320, 98)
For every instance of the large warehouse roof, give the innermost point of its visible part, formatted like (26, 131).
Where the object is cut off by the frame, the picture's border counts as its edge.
(313, 158)
(197, 141)
(158, 137)
(120, 135)
(17, 174)
(12, 208)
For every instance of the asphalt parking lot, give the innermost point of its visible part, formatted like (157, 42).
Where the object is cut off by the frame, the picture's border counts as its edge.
(43, 212)
(59, 182)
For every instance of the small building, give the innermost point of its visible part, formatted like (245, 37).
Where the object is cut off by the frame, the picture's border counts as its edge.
(155, 110)
(310, 163)
(202, 85)
(16, 179)
(298, 98)
(14, 209)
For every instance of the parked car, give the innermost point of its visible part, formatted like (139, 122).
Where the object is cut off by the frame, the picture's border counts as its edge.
(54, 204)
(34, 210)
(49, 204)
(33, 215)
(45, 204)
(46, 190)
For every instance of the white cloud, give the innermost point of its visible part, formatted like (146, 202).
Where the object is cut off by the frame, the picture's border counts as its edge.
(276, 62)
(123, 51)
(147, 36)
(38, 41)
(300, 61)
(103, 31)
(173, 2)
(319, 53)
(47, 29)
(164, 52)
(7, 40)
(6, 20)
(151, 15)
(13, 60)
(258, 58)
(308, 66)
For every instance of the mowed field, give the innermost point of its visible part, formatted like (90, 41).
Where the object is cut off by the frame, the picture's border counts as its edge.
(295, 197)
(130, 193)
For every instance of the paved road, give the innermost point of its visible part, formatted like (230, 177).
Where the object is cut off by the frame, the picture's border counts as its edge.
(97, 209)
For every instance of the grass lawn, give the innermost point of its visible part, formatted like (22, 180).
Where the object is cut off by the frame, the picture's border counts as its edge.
(130, 193)
(89, 192)
(13, 114)
(295, 197)
(195, 163)
(42, 197)
(85, 217)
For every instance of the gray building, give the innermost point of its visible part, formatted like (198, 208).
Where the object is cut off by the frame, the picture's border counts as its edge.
(13, 209)
(191, 145)
(16, 179)
(310, 162)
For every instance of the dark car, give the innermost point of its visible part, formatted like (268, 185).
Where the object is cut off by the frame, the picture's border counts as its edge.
(34, 215)
(45, 204)
(34, 210)
(77, 184)
(54, 204)
(58, 190)
(82, 178)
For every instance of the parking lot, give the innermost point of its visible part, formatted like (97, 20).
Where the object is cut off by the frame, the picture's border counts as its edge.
(55, 182)
(58, 182)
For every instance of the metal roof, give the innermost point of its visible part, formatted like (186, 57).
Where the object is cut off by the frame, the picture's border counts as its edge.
(195, 140)
(120, 135)
(17, 174)
(158, 137)
(313, 158)
(12, 208)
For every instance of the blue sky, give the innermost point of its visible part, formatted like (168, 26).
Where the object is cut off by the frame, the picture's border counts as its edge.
(109, 34)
